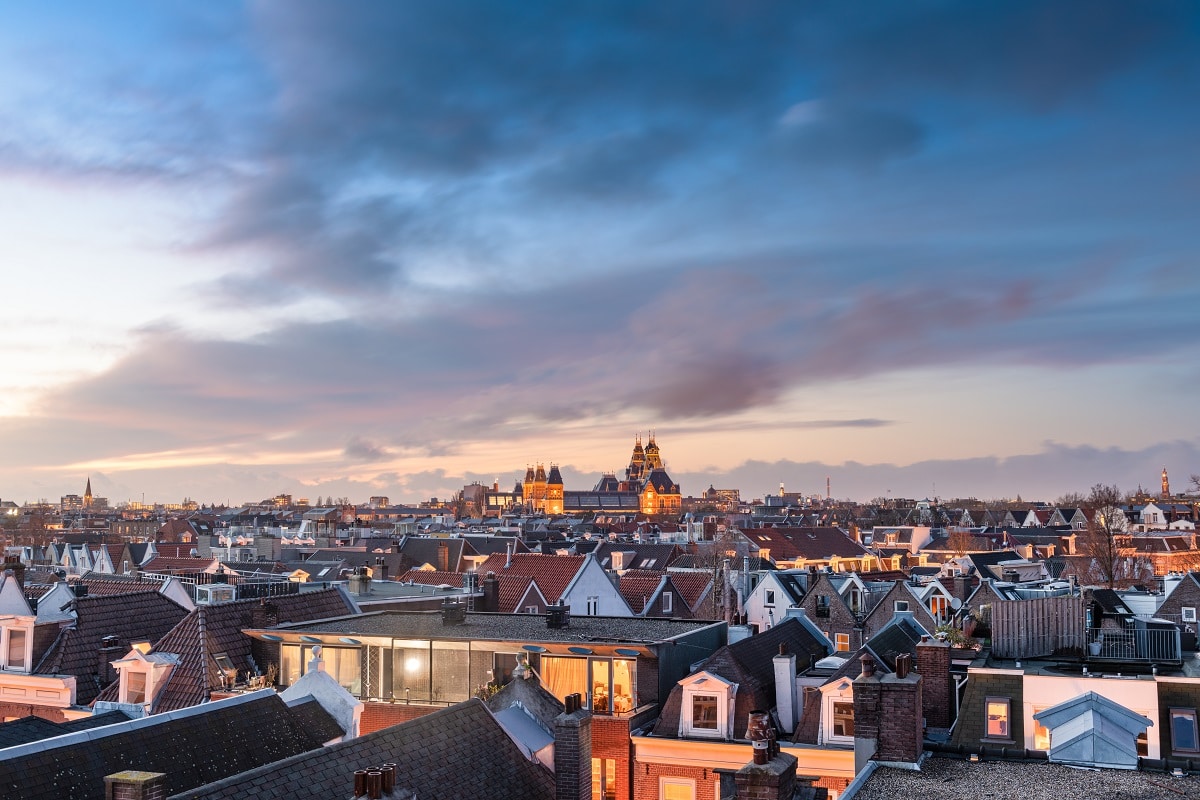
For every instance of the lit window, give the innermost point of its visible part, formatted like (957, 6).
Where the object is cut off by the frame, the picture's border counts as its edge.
(135, 688)
(1184, 737)
(604, 779)
(843, 642)
(16, 649)
(997, 718)
(704, 712)
(676, 789)
(1041, 734)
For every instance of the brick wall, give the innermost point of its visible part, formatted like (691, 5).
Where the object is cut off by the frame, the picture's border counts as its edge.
(646, 780)
(573, 756)
(18, 710)
(901, 737)
(377, 716)
(933, 662)
(840, 619)
(610, 739)
(647, 681)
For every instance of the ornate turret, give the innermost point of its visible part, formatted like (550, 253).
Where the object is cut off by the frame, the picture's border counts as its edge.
(554, 491)
(653, 459)
(636, 470)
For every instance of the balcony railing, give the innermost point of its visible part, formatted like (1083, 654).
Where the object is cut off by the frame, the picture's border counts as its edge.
(1135, 643)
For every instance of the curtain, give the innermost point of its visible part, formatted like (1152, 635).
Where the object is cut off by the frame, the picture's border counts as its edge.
(564, 676)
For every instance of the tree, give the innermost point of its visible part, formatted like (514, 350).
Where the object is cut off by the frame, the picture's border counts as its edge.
(960, 541)
(1105, 539)
(1071, 500)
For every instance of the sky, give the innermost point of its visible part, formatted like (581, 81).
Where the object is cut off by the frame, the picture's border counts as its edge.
(325, 248)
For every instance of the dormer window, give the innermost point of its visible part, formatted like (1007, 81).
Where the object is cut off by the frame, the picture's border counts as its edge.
(837, 713)
(706, 706)
(16, 649)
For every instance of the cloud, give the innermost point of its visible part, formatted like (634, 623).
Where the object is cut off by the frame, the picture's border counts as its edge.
(360, 449)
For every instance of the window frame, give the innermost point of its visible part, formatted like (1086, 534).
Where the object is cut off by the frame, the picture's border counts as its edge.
(1188, 613)
(839, 640)
(675, 781)
(769, 598)
(900, 605)
(1007, 735)
(1191, 714)
(668, 602)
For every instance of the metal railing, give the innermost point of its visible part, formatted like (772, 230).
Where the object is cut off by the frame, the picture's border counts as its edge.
(1135, 643)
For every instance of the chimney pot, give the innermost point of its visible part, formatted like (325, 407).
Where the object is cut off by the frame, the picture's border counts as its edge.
(868, 665)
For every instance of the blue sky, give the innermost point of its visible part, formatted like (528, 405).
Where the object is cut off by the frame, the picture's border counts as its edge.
(387, 248)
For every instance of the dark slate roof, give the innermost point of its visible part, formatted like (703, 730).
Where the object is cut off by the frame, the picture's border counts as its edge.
(213, 629)
(749, 664)
(316, 721)
(35, 729)
(193, 747)
(130, 617)
(424, 550)
(486, 544)
(645, 556)
(459, 752)
(901, 636)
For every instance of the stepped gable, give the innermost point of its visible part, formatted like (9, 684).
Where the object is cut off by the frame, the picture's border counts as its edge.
(459, 752)
(130, 617)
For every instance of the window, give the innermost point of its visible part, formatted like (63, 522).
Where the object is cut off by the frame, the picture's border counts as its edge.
(704, 712)
(997, 718)
(676, 789)
(938, 605)
(15, 652)
(770, 601)
(1041, 734)
(532, 610)
(604, 779)
(901, 605)
(593, 606)
(1184, 738)
(135, 691)
(843, 718)
(843, 642)
(1189, 614)
(668, 600)
(822, 605)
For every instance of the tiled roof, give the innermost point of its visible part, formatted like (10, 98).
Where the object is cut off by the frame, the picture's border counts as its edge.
(213, 629)
(175, 549)
(129, 617)
(638, 587)
(552, 573)
(432, 577)
(645, 556)
(116, 584)
(171, 564)
(35, 729)
(424, 550)
(512, 590)
(460, 752)
(789, 544)
(692, 586)
(193, 747)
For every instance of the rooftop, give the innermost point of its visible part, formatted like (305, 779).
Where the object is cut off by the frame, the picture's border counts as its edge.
(505, 627)
(950, 779)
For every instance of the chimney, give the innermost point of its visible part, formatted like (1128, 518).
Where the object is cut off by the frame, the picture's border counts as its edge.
(508, 550)
(933, 662)
(453, 613)
(443, 557)
(14, 565)
(785, 691)
(573, 751)
(888, 715)
(558, 615)
(766, 778)
(110, 650)
(134, 785)
(491, 593)
(265, 614)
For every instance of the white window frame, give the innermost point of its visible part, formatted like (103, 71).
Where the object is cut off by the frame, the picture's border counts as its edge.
(1189, 613)
(900, 605)
(769, 598)
(25, 665)
(840, 692)
(707, 685)
(668, 601)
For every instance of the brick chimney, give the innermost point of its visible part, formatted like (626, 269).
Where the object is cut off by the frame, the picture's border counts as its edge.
(14, 565)
(888, 714)
(110, 650)
(933, 662)
(573, 751)
(774, 780)
(443, 557)
(134, 785)
(491, 593)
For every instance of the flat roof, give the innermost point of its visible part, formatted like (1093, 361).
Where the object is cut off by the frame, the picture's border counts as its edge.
(951, 779)
(500, 627)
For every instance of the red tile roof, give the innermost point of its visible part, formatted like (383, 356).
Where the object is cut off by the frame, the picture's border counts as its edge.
(178, 566)
(174, 549)
(692, 586)
(637, 586)
(552, 573)
(512, 590)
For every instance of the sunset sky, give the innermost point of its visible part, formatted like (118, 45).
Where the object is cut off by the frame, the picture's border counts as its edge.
(390, 248)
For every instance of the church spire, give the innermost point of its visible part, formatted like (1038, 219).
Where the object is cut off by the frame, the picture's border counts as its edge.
(87, 494)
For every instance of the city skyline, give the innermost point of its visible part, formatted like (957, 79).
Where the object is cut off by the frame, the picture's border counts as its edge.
(274, 247)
